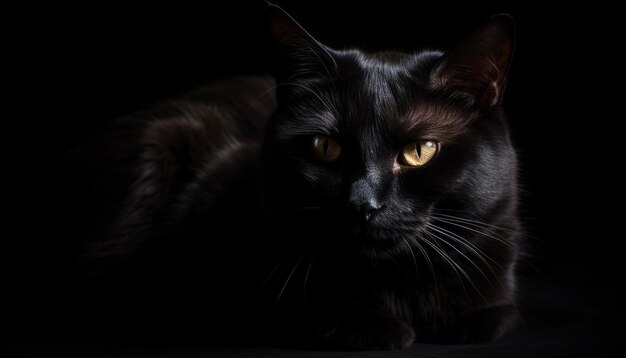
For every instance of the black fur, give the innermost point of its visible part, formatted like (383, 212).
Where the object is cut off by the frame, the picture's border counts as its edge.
(210, 215)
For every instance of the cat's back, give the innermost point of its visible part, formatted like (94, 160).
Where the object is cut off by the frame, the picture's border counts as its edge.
(230, 109)
(239, 104)
(141, 204)
(148, 172)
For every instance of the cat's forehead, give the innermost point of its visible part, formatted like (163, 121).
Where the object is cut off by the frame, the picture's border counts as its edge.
(375, 97)
(391, 64)
(389, 95)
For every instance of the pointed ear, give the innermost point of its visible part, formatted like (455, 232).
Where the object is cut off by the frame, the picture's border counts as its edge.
(477, 68)
(299, 55)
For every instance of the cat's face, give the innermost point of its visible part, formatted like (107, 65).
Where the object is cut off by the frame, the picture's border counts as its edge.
(381, 143)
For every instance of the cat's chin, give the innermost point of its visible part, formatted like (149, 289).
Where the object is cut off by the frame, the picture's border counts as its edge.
(376, 247)
(380, 243)
(379, 247)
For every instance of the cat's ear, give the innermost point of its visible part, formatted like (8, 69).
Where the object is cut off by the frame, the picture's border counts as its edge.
(299, 55)
(477, 68)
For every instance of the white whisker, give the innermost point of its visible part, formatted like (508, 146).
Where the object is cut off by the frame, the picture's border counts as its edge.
(463, 272)
(447, 258)
(499, 239)
(308, 271)
(481, 255)
(276, 268)
(466, 243)
(288, 278)
(412, 255)
(476, 222)
(442, 239)
(427, 257)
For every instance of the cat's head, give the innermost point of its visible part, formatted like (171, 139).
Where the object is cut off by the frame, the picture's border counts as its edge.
(382, 142)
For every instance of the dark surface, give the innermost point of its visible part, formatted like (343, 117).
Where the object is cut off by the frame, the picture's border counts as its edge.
(556, 322)
(77, 67)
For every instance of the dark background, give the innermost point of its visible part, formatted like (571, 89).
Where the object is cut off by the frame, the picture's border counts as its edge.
(78, 66)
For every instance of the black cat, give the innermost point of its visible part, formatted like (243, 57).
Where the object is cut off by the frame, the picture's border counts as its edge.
(356, 201)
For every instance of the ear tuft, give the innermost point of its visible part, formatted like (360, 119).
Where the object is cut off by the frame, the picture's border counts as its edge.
(283, 27)
(299, 55)
(478, 67)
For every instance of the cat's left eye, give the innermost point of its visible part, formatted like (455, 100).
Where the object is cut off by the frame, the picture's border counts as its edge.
(325, 148)
(419, 153)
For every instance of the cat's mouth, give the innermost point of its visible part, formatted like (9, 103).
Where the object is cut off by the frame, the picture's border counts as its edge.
(383, 236)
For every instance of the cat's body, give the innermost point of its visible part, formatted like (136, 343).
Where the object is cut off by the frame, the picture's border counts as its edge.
(221, 212)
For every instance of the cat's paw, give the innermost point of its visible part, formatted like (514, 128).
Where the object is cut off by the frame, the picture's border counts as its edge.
(488, 324)
(364, 330)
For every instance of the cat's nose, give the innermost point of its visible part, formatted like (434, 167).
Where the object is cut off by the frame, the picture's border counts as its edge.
(363, 199)
(366, 210)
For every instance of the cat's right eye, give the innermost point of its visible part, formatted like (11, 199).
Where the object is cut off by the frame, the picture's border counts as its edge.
(419, 153)
(325, 148)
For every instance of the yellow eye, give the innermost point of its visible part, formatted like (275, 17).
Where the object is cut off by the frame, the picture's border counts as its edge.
(419, 153)
(325, 148)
